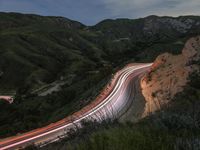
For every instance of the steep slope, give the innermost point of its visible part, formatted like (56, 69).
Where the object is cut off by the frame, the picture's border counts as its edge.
(175, 124)
(46, 47)
(49, 65)
(36, 50)
(146, 38)
(169, 75)
(153, 27)
(56, 65)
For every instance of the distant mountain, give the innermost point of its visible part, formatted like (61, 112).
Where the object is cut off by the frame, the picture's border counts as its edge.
(166, 27)
(39, 49)
(56, 65)
(15, 20)
(36, 50)
(126, 34)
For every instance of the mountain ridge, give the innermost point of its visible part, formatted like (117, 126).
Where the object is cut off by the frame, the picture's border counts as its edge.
(76, 61)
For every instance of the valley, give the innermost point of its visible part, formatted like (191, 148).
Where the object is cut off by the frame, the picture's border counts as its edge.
(54, 67)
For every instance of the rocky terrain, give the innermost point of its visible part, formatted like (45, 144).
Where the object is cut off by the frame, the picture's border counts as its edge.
(171, 116)
(169, 75)
(41, 50)
(55, 66)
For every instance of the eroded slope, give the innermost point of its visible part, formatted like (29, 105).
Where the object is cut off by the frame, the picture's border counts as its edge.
(168, 76)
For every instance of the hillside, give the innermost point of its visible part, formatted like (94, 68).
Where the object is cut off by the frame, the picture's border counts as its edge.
(169, 75)
(46, 48)
(48, 64)
(174, 125)
(54, 66)
(36, 50)
(145, 38)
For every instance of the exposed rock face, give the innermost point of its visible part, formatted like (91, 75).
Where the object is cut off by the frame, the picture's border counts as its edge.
(168, 75)
(180, 25)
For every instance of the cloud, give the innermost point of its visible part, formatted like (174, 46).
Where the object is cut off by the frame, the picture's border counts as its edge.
(86, 11)
(93, 11)
(140, 8)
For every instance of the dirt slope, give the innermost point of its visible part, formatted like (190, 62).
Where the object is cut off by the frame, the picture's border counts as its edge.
(168, 75)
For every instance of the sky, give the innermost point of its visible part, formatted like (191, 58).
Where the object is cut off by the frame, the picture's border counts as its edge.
(91, 12)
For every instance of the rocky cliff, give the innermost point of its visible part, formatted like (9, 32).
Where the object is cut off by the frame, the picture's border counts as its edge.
(168, 76)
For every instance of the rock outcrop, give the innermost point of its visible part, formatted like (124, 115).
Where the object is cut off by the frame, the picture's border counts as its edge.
(168, 76)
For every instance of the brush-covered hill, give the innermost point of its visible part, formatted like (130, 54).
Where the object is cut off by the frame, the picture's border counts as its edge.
(56, 65)
(50, 66)
(146, 38)
(36, 50)
(171, 115)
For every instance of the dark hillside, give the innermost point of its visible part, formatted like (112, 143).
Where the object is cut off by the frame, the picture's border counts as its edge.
(56, 65)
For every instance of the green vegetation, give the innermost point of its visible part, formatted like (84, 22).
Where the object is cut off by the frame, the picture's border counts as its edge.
(129, 137)
(36, 51)
(175, 127)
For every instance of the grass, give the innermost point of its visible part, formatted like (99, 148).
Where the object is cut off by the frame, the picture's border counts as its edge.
(36, 51)
(175, 127)
(114, 136)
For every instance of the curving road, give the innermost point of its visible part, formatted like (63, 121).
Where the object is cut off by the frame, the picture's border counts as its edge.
(112, 104)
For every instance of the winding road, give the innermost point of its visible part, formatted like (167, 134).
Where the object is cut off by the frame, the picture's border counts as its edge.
(112, 103)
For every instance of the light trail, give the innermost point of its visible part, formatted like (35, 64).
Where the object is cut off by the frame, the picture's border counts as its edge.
(115, 101)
